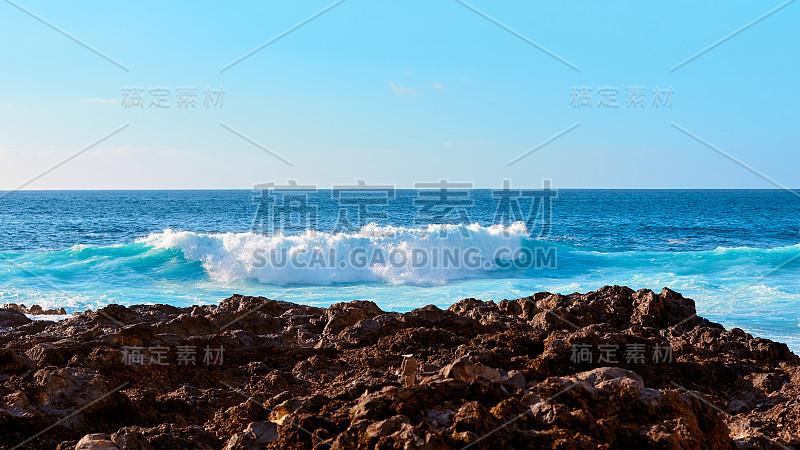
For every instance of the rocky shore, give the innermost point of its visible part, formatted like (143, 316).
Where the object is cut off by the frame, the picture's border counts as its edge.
(611, 369)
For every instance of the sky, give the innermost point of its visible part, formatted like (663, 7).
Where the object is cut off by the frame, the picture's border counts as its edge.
(398, 92)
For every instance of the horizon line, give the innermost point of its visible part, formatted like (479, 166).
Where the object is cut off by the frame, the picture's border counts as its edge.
(399, 188)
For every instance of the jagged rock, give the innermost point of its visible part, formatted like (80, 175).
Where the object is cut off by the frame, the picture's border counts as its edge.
(263, 432)
(474, 417)
(296, 376)
(242, 441)
(96, 441)
(130, 439)
(360, 332)
(342, 315)
(460, 369)
(514, 381)
(12, 318)
(35, 309)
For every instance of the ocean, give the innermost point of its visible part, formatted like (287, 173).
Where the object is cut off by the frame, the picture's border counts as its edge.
(735, 252)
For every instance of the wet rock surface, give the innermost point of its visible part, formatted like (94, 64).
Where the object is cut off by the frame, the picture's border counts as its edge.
(12, 318)
(35, 309)
(614, 368)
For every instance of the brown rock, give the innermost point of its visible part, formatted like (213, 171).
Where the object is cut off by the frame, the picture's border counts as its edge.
(96, 441)
(12, 318)
(296, 376)
(460, 369)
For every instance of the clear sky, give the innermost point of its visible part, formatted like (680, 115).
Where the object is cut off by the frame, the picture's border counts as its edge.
(399, 92)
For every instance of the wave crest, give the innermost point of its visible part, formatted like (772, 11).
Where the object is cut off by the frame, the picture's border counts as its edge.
(432, 255)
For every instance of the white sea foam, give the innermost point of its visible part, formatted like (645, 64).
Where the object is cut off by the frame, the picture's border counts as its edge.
(434, 255)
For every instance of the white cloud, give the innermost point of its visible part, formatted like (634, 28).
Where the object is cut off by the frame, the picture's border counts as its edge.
(438, 86)
(401, 90)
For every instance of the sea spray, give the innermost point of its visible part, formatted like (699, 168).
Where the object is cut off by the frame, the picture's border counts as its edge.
(432, 255)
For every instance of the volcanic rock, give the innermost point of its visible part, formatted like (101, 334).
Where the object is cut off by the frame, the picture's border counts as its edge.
(612, 368)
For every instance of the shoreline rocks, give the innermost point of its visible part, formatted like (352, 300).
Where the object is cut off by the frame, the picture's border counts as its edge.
(35, 310)
(612, 368)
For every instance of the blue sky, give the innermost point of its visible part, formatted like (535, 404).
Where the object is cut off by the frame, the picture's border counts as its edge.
(398, 92)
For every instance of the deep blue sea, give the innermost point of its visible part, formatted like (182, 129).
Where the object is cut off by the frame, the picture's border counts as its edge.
(736, 252)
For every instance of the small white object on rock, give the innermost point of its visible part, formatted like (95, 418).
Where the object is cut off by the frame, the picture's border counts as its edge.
(408, 371)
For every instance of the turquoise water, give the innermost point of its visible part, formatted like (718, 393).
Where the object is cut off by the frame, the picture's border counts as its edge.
(735, 252)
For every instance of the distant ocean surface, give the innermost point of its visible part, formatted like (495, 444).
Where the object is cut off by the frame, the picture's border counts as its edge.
(730, 250)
